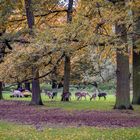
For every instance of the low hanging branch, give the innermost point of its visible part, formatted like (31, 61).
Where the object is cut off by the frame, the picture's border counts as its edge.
(42, 76)
(40, 15)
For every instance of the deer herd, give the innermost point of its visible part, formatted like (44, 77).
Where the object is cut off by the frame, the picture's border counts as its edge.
(80, 94)
(52, 94)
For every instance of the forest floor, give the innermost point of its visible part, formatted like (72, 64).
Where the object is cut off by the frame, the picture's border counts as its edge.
(39, 116)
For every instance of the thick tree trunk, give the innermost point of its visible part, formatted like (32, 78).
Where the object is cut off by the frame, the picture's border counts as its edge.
(136, 63)
(1, 97)
(36, 96)
(66, 93)
(66, 74)
(2, 53)
(136, 78)
(123, 75)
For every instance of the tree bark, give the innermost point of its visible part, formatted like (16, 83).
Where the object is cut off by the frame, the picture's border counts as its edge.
(2, 53)
(123, 75)
(36, 97)
(29, 13)
(19, 85)
(66, 93)
(136, 62)
(1, 97)
(27, 86)
(65, 96)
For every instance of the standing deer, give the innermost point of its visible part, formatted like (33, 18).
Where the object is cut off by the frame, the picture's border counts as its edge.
(17, 93)
(79, 95)
(93, 96)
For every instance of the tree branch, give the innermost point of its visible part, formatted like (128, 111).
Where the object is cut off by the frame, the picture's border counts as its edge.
(41, 15)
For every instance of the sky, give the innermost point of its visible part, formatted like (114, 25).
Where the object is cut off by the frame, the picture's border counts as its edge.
(65, 2)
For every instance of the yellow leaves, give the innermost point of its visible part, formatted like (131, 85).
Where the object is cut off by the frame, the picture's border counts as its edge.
(41, 52)
(23, 2)
(135, 4)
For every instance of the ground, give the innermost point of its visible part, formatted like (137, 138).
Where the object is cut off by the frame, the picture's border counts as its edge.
(76, 119)
(21, 112)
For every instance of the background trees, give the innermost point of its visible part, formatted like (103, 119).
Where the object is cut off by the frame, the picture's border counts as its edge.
(82, 36)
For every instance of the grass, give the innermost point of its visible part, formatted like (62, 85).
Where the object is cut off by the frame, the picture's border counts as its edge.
(10, 131)
(101, 104)
(73, 104)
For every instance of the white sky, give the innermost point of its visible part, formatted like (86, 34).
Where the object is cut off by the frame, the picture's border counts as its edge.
(65, 2)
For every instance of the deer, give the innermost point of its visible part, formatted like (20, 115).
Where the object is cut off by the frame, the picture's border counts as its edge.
(17, 93)
(102, 94)
(79, 95)
(93, 96)
(49, 94)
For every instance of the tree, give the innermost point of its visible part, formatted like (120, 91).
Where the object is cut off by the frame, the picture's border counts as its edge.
(36, 95)
(2, 50)
(94, 64)
(123, 74)
(27, 86)
(136, 56)
(1, 97)
(66, 94)
(117, 16)
(4, 44)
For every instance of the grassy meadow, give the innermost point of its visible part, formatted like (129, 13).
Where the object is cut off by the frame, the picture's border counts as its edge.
(13, 131)
(10, 131)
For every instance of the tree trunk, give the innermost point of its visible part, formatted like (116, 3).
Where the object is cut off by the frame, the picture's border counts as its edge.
(2, 53)
(123, 75)
(36, 96)
(69, 12)
(29, 13)
(66, 93)
(136, 63)
(27, 86)
(1, 97)
(19, 85)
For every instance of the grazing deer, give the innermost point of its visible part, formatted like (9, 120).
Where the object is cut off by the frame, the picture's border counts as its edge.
(102, 94)
(66, 96)
(99, 93)
(49, 94)
(17, 93)
(93, 96)
(79, 95)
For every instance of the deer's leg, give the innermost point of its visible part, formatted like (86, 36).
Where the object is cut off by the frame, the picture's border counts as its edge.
(78, 98)
(52, 96)
(91, 98)
(85, 97)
